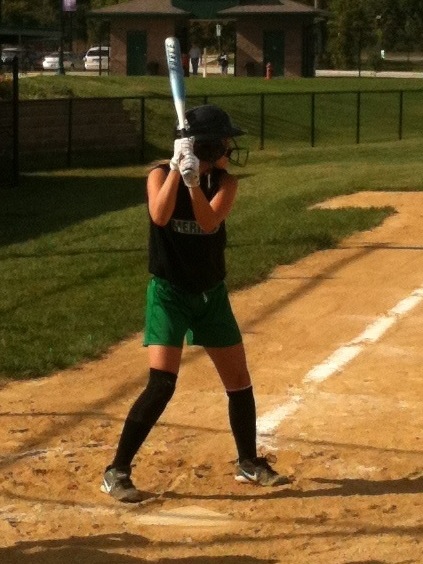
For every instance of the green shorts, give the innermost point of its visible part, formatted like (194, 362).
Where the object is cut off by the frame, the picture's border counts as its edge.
(205, 319)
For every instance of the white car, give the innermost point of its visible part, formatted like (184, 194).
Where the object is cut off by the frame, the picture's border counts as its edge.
(92, 58)
(70, 61)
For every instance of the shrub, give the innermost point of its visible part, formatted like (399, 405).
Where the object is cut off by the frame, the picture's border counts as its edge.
(6, 85)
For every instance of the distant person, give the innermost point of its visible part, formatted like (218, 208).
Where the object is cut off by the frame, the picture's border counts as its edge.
(223, 62)
(195, 57)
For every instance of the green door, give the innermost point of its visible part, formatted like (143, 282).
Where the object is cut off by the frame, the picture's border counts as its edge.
(136, 53)
(309, 50)
(274, 51)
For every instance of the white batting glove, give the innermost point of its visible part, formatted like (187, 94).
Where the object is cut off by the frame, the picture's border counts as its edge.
(181, 148)
(177, 154)
(190, 170)
(187, 146)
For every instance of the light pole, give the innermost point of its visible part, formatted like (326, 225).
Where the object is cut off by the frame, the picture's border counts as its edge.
(379, 34)
(66, 6)
(61, 69)
(1, 12)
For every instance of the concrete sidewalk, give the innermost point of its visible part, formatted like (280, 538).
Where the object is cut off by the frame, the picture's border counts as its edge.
(367, 73)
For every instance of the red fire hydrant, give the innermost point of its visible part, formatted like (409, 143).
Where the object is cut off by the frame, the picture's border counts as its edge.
(269, 71)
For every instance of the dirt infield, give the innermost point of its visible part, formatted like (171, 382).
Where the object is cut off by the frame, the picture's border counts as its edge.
(334, 344)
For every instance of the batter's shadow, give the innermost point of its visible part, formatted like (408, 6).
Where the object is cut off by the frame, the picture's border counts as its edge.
(100, 549)
(332, 488)
(355, 486)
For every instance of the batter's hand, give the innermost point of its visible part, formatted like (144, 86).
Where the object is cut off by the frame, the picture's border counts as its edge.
(190, 170)
(181, 147)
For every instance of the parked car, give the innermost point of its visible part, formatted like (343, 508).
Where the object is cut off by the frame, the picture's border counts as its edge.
(26, 58)
(70, 61)
(92, 58)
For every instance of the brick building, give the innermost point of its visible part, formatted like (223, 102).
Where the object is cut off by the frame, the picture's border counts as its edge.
(281, 32)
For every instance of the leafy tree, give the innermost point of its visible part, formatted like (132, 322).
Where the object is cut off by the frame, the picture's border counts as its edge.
(368, 25)
(409, 27)
(353, 26)
(27, 14)
(204, 34)
(351, 29)
(46, 14)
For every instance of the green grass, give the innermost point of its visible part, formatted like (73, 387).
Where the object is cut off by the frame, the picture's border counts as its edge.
(286, 109)
(53, 86)
(287, 118)
(73, 244)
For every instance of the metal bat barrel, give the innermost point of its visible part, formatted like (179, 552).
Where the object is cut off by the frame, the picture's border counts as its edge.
(177, 83)
(173, 54)
(176, 77)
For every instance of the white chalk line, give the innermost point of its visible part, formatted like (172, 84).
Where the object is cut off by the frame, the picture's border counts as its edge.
(268, 423)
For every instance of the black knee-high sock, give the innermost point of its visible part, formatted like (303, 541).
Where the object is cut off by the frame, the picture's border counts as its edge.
(143, 415)
(242, 418)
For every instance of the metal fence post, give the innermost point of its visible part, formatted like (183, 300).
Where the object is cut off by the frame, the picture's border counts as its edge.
(401, 111)
(15, 106)
(142, 128)
(358, 118)
(70, 133)
(313, 119)
(261, 121)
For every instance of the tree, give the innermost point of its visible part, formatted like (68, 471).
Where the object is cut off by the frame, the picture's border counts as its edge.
(26, 14)
(204, 34)
(351, 29)
(353, 25)
(368, 25)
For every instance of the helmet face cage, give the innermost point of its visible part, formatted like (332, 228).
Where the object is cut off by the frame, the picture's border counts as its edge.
(237, 155)
(213, 150)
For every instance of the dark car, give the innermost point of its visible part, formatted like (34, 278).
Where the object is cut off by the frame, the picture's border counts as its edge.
(26, 58)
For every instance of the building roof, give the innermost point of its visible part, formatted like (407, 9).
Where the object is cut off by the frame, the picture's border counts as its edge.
(204, 9)
(142, 8)
(269, 7)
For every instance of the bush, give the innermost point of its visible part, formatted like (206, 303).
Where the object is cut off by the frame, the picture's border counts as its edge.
(6, 87)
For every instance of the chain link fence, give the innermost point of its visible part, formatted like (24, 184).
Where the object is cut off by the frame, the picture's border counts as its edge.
(46, 134)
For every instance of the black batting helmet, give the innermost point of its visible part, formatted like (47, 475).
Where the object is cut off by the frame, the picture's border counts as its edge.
(209, 122)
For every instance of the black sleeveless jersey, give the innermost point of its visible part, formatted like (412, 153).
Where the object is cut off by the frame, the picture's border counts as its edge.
(181, 252)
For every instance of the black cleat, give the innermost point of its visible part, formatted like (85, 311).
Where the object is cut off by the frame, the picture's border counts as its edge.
(117, 483)
(259, 471)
